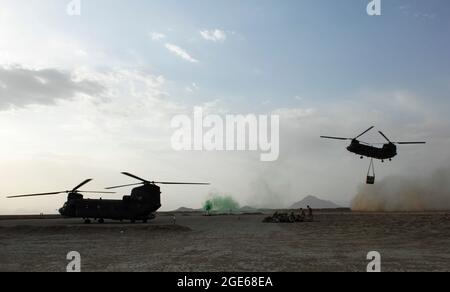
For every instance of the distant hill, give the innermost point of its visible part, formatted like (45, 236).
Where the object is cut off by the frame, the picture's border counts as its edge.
(248, 209)
(315, 203)
(184, 209)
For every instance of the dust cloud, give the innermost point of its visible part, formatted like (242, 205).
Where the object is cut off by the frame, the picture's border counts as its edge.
(429, 192)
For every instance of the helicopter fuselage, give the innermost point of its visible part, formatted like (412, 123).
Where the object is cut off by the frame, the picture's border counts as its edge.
(388, 151)
(141, 205)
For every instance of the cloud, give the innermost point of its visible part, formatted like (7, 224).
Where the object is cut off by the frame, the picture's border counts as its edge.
(216, 35)
(156, 36)
(192, 88)
(410, 11)
(295, 113)
(20, 86)
(179, 52)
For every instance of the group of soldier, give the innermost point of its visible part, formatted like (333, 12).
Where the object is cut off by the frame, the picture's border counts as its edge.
(306, 216)
(303, 216)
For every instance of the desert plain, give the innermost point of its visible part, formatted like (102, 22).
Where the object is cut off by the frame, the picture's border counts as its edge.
(335, 241)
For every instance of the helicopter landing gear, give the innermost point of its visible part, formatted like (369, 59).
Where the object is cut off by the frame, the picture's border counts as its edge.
(87, 221)
(101, 221)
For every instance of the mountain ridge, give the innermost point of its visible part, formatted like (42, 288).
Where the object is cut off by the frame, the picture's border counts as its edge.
(314, 203)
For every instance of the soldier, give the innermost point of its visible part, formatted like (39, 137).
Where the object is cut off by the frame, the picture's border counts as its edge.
(302, 215)
(310, 214)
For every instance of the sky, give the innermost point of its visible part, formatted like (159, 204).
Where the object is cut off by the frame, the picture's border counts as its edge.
(91, 95)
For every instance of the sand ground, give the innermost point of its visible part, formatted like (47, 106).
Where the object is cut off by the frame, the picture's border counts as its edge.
(335, 242)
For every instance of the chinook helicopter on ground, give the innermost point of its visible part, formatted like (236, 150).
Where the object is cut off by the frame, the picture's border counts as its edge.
(141, 205)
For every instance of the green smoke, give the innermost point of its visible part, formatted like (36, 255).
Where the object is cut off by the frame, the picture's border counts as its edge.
(221, 204)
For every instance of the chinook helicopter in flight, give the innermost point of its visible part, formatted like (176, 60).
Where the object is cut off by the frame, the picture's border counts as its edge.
(141, 205)
(386, 152)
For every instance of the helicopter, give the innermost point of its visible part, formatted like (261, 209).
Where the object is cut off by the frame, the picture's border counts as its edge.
(387, 152)
(141, 205)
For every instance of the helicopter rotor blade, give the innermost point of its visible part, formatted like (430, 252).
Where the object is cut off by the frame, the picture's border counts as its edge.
(335, 138)
(37, 195)
(95, 192)
(144, 181)
(385, 137)
(80, 185)
(364, 132)
(135, 177)
(123, 186)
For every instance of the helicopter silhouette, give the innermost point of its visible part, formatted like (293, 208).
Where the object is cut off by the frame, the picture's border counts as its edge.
(386, 152)
(141, 205)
